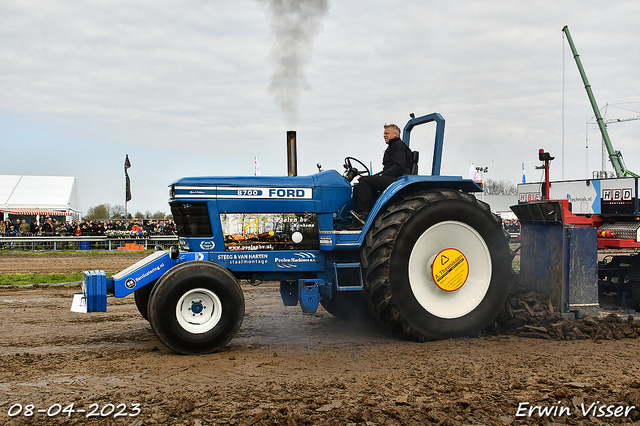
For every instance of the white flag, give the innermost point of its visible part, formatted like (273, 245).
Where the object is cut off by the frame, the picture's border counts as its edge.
(257, 167)
(474, 174)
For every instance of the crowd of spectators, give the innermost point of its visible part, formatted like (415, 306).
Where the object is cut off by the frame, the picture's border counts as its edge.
(116, 228)
(511, 226)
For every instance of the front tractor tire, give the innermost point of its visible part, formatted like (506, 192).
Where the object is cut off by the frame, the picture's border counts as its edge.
(196, 308)
(437, 265)
(141, 297)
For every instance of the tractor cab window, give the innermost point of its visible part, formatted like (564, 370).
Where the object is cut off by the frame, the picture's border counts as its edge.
(192, 219)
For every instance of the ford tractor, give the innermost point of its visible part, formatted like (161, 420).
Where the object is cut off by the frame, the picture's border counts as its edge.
(431, 261)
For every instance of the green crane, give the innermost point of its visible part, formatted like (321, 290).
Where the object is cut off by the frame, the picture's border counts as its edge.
(614, 156)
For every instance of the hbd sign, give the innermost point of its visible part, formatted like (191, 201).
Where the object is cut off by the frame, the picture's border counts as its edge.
(609, 195)
(617, 201)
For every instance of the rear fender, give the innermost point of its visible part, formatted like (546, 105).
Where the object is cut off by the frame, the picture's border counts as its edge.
(406, 185)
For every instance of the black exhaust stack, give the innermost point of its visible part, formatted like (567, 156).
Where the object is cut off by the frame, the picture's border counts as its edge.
(292, 154)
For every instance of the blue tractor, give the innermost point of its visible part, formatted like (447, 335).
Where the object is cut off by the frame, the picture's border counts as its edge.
(431, 261)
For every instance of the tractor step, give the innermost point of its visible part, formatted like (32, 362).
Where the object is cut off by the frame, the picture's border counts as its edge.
(348, 276)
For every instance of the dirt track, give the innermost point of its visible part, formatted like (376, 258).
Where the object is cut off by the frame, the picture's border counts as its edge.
(286, 367)
(65, 262)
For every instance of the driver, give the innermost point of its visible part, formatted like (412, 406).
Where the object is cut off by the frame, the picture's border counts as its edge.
(397, 161)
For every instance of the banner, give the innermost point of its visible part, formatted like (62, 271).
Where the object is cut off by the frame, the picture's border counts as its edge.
(127, 164)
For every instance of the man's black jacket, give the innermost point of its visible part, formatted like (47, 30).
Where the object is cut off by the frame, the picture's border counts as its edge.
(397, 159)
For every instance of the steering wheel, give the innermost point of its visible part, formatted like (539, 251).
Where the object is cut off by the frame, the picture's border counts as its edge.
(351, 172)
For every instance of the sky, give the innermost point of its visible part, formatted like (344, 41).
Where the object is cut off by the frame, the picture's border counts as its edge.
(202, 88)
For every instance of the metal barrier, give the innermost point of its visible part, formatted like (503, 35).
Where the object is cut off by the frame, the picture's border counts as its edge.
(101, 243)
(83, 243)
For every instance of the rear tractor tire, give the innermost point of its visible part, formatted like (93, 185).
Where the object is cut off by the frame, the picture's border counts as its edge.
(437, 265)
(196, 308)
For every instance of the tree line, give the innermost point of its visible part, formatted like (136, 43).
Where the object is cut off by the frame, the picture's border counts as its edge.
(107, 211)
(499, 187)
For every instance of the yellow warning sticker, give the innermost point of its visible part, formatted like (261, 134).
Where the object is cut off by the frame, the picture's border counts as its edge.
(450, 269)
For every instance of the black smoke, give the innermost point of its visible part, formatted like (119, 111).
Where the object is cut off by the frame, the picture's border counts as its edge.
(295, 24)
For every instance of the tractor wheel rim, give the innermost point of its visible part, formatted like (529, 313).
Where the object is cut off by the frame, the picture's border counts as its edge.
(199, 310)
(450, 237)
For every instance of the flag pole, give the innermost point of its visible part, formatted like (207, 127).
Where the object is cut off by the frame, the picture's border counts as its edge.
(126, 216)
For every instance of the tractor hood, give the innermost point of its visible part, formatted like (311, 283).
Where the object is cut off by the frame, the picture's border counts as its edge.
(319, 193)
(329, 178)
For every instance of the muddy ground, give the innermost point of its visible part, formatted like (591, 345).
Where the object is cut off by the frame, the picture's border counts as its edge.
(286, 367)
(69, 261)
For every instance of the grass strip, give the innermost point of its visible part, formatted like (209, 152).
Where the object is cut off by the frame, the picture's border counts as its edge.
(41, 278)
(73, 252)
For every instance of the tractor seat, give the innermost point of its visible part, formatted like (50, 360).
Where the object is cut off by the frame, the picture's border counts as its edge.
(415, 156)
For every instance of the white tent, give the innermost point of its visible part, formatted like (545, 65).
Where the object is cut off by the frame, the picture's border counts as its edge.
(40, 195)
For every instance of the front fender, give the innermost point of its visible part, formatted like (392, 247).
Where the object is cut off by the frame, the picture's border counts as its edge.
(149, 269)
